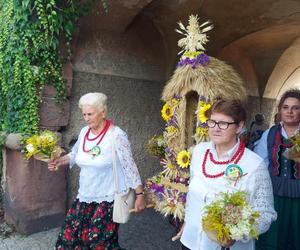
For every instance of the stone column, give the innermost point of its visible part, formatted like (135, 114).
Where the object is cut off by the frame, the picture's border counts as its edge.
(34, 197)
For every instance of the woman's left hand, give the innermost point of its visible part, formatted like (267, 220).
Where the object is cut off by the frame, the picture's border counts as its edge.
(228, 244)
(140, 203)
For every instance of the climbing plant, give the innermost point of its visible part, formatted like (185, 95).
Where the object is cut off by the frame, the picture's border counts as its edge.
(30, 36)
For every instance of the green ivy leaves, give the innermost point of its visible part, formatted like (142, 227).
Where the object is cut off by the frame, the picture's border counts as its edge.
(30, 35)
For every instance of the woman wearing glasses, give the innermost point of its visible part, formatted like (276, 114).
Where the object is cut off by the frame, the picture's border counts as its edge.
(285, 175)
(210, 175)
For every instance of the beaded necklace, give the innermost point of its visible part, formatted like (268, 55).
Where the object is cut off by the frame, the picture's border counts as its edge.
(101, 135)
(235, 159)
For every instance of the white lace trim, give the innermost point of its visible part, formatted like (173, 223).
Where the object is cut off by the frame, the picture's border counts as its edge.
(124, 153)
(262, 199)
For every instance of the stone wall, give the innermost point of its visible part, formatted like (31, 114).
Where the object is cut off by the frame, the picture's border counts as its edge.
(257, 105)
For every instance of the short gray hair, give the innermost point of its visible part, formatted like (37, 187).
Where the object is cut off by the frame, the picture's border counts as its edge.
(95, 99)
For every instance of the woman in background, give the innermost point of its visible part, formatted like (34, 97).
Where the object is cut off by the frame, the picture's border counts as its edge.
(285, 175)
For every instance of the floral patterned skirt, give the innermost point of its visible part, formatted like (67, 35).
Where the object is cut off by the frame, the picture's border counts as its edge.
(89, 226)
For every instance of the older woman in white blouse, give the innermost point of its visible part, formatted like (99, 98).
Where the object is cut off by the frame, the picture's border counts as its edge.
(89, 224)
(208, 177)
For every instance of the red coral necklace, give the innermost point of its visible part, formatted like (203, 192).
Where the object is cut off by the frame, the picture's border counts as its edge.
(235, 159)
(101, 135)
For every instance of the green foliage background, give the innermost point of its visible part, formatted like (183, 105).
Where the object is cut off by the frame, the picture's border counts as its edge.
(30, 35)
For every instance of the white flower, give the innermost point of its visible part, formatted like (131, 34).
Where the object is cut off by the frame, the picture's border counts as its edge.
(47, 136)
(160, 142)
(247, 213)
(30, 148)
(240, 230)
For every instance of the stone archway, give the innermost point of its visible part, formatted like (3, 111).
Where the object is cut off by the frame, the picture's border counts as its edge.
(286, 73)
(266, 59)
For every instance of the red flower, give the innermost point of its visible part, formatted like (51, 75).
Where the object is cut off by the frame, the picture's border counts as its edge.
(95, 230)
(110, 227)
(100, 247)
(85, 234)
(67, 234)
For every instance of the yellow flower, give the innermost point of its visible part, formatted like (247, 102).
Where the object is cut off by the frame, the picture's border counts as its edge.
(183, 159)
(202, 112)
(166, 112)
(175, 101)
(191, 54)
(171, 130)
(202, 131)
(170, 165)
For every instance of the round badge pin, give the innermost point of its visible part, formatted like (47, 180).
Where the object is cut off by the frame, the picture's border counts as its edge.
(96, 151)
(233, 172)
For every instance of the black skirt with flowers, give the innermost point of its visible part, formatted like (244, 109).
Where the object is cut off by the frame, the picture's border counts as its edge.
(89, 226)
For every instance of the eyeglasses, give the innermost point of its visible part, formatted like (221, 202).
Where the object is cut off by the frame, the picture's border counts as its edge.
(221, 124)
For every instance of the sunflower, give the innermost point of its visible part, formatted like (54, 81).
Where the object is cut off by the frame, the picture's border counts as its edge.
(183, 159)
(202, 112)
(166, 112)
(170, 171)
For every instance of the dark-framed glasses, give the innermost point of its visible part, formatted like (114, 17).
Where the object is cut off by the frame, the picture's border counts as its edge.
(221, 124)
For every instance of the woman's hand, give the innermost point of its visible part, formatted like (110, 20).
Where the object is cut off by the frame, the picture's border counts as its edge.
(56, 163)
(228, 244)
(140, 203)
(178, 235)
(52, 165)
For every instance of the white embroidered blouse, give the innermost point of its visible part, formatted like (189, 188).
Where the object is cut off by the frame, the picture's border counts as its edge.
(203, 190)
(96, 181)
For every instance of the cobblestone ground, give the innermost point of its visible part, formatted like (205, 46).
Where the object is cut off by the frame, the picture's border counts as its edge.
(147, 231)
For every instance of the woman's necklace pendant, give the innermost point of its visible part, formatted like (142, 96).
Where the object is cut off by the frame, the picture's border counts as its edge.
(234, 173)
(95, 151)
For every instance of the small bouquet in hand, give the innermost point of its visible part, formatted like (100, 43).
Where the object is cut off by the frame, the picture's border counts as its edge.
(156, 146)
(293, 153)
(43, 147)
(228, 218)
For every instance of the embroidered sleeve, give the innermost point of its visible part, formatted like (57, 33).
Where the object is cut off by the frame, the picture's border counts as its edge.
(262, 198)
(124, 153)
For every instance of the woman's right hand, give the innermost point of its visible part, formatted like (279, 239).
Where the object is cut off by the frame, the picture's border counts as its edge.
(56, 163)
(53, 165)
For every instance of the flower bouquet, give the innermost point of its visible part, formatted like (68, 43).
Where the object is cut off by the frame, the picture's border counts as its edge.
(293, 153)
(156, 146)
(43, 147)
(228, 218)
